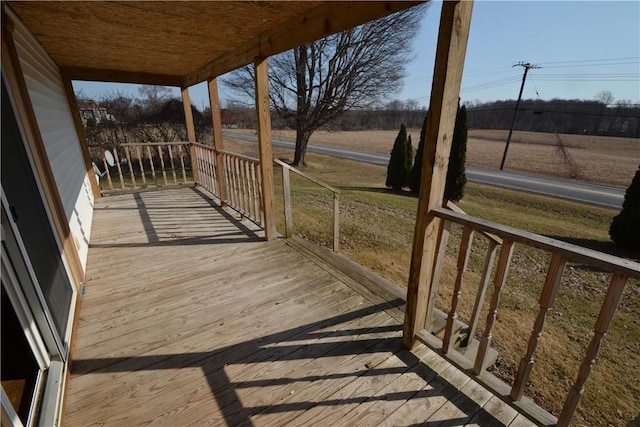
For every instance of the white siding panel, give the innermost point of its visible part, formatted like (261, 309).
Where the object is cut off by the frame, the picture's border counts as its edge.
(44, 83)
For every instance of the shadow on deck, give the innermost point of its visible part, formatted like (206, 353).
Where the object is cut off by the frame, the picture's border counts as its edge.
(189, 318)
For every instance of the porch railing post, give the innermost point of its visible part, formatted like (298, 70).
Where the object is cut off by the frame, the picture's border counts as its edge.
(218, 142)
(455, 21)
(191, 133)
(264, 146)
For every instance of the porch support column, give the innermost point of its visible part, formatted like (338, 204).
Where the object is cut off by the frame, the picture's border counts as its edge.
(445, 90)
(218, 143)
(77, 121)
(264, 146)
(191, 132)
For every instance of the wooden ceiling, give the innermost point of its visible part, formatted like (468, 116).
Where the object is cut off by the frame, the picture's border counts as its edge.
(181, 43)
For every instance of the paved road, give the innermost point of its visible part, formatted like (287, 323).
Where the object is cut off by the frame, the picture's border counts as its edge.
(590, 194)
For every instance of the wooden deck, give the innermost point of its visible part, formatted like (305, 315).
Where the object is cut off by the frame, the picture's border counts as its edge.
(189, 318)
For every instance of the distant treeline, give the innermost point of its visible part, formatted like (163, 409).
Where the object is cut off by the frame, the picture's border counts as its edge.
(162, 119)
(559, 115)
(589, 117)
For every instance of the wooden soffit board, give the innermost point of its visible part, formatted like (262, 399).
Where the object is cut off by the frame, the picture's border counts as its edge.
(181, 43)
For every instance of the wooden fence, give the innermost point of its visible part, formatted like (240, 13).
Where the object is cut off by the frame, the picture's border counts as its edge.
(240, 187)
(137, 166)
(619, 269)
(286, 194)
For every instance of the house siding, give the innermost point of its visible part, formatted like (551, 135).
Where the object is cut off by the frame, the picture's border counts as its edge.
(55, 122)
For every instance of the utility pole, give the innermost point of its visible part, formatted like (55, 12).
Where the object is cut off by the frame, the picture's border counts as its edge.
(526, 67)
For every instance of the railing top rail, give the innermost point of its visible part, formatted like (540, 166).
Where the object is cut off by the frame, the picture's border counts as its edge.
(201, 145)
(573, 252)
(304, 175)
(138, 144)
(455, 208)
(239, 156)
(227, 153)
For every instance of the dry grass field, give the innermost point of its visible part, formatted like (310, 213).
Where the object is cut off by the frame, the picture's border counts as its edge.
(599, 160)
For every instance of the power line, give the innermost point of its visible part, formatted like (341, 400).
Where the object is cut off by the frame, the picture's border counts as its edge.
(594, 65)
(591, 60)
(490, 84)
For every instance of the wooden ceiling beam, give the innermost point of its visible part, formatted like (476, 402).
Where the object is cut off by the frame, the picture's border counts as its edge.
(322, 21)
(119, 76)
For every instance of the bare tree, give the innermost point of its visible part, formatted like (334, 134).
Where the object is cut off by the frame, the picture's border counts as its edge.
(604, 97)
(153, 97)
(115, 131)
(315, 83)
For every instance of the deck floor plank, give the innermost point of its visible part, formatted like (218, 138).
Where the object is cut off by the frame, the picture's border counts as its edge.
(190, 318)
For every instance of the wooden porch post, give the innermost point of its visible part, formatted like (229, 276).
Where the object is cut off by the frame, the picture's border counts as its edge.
(77, 121)
(191, 131)
(218, 143)
(264, 146)
(452, 44)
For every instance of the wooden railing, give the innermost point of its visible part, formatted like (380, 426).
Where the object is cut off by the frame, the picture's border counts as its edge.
(207, 170)
(243, 185)
(561, 252)
(286, 194)
(239, 187)
(138, 166)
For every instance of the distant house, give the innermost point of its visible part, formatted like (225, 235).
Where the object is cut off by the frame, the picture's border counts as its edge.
(91, 110)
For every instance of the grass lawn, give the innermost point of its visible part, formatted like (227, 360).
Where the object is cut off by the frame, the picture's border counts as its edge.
(376, 229)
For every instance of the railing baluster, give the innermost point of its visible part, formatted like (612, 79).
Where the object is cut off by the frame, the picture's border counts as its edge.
(117, 160)
(211, 173)
(242, 186)
(547, 298)
(255, 202)
(173, 168)
(164, 172)
(259, 174)
(249, 201)
(463, 260)
(230, 181)
(286, 196)
(153, 168)
(216, 179)
(605, 317)
(336, 222)
(184, 172)
(245, 188)
(498, 281)
(482, 289)
(247, 174)
(106, 168)
(138, 152)
(258, 189)
(238, 184)
(445, 228)
(196, 170)
(128, 157)
(202, 171)
(227, 171)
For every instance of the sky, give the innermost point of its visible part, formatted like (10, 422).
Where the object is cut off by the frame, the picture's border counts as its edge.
(582, 47)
